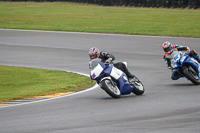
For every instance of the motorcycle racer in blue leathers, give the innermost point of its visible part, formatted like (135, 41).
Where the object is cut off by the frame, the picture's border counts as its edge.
(169, 49)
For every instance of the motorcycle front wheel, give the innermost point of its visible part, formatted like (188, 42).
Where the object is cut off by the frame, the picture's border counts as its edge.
(191, 75)
(110, 89)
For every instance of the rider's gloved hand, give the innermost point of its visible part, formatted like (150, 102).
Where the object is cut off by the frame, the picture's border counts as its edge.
(188, 49)
(108, 61)
(177, 45)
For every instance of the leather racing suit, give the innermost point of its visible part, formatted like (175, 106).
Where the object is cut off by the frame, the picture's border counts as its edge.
(168, 58)
(108, 58)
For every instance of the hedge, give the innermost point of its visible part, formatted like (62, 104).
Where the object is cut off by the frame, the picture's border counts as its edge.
(136, 3)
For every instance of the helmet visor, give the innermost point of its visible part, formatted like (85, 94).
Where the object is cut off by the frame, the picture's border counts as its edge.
(92, 56)
(167, 49)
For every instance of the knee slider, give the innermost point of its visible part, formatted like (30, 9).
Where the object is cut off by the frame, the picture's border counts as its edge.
(125, 63)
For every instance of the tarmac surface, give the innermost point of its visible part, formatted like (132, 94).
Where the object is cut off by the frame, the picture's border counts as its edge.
(166, 106)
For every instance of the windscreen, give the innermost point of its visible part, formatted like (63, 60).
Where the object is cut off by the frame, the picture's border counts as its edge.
(93, 63)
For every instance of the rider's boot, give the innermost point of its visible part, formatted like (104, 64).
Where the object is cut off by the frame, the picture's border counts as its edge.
(198, 60)
(194, 54)
(129, 75)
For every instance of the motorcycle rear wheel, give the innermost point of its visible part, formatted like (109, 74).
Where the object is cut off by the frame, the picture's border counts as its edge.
(111, 90)
(191, 75)
(138, 87)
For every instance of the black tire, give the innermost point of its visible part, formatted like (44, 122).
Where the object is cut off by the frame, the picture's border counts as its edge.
(191, 75)
(113, 91)
(138, 87)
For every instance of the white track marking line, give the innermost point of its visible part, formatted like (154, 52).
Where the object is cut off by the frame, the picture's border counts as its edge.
(89, 89)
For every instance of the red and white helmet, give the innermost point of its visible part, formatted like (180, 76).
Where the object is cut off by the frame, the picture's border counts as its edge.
(167, 47)
(94, 53)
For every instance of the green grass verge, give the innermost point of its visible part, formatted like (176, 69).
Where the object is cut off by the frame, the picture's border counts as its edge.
(22, 82)
(64, 16)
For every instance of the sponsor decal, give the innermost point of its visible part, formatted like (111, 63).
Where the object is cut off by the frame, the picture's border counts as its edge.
(93, 75)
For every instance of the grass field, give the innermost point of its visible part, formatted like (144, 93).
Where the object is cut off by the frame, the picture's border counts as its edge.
(64, 16)
(22, 82)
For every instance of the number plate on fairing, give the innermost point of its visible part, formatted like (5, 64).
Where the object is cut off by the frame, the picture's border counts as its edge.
(96, 72)
(177, 57)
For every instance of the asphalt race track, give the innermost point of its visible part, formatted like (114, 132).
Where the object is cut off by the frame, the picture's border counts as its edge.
(166, 107)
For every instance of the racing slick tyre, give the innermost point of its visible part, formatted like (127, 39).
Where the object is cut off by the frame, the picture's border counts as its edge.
(138, 86)
(191, 75)
(111, 89)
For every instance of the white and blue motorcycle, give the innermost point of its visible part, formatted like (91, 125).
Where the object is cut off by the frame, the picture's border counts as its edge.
(187, 66)
(114, 81)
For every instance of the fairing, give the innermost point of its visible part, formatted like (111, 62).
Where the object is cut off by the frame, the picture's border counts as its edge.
(100, 70)
(183, 59)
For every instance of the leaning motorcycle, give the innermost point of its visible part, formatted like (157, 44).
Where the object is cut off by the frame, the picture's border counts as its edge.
(112, 80)
(187, 66)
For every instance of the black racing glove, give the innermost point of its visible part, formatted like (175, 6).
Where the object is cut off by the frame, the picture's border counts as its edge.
(108, 61)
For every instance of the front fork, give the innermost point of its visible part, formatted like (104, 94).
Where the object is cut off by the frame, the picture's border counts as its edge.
(192, 70)
(108, 78)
